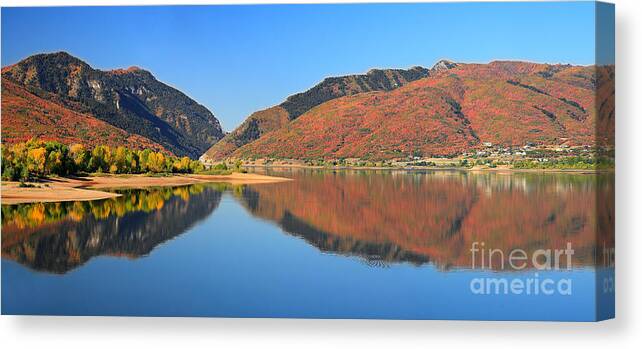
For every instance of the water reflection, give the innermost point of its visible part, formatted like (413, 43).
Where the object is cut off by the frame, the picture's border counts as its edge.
(381, 217)
(422, 217)
(57, 237)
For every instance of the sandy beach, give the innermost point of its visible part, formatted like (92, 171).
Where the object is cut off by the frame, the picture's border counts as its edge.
(87, 188)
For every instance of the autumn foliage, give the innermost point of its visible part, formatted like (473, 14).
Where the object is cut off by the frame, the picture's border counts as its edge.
(32, 159)
(26, 115)
(435, 217)
(454, 110)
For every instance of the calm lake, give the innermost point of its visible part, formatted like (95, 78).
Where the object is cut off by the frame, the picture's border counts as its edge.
(330, 244)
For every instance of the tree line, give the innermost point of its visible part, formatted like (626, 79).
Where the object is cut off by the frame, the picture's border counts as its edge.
(35, 159)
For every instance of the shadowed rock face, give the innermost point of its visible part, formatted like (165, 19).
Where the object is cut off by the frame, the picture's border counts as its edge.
(435, 217)
(129, 99)
(59, 237)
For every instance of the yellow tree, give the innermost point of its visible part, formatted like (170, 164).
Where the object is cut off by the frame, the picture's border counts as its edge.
(36, 159)
(160, 162)
(182, 165)
(79, 156)
(120, 159)
(151, 162)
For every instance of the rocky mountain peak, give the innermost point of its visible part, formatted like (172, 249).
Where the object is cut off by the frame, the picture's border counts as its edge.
(442, 65)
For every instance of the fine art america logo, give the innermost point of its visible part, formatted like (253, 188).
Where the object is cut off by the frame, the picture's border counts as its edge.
(494, 259)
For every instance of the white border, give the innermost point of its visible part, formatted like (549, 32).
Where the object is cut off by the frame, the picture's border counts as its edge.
(114, 332)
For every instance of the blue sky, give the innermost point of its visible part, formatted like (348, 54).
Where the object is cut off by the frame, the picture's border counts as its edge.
(239, 59)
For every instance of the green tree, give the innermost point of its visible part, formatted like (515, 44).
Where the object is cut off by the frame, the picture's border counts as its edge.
(99, 157)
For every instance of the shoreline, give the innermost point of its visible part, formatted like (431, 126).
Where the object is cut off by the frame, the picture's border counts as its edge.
(451, 168)
(60, 189)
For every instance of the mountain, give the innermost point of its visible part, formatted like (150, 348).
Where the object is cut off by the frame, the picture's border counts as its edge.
(264, 121)
(26, 115)
(131, 100)
(455, 108)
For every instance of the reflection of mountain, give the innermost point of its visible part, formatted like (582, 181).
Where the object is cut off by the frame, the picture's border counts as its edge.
(58, 237)
(371, 251)
(437, 216)
(384, 217)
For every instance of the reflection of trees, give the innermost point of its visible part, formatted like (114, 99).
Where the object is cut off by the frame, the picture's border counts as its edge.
(436, 216)
(36, 214)
(57, 237)
(384, 218)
